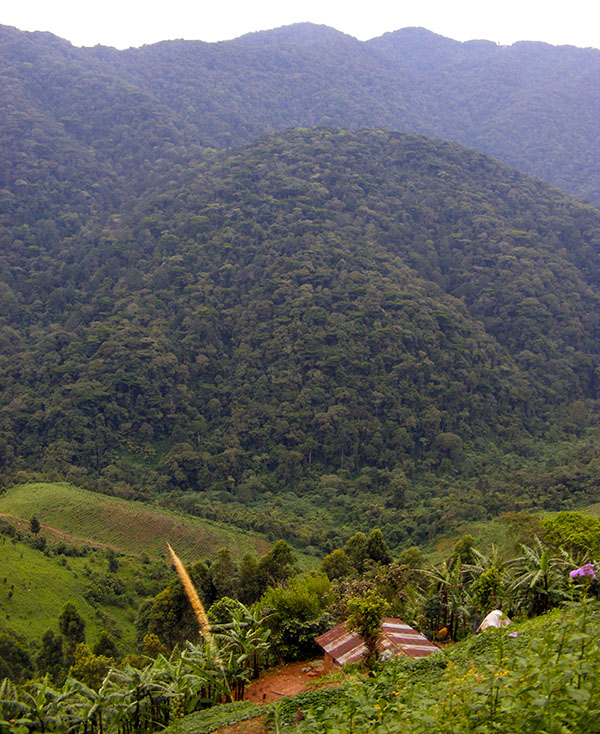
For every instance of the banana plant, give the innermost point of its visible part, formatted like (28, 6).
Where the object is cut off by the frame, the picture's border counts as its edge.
(138, 696)
(179, 686)
(451, 583)
(38, 707)
(247, 636)
(93, 706)
(539, 580)
(207, 663)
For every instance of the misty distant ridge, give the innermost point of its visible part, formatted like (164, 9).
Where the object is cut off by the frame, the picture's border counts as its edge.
(531, 105)
(310, 32)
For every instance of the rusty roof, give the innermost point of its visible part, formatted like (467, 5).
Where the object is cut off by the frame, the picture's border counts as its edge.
(346, 646)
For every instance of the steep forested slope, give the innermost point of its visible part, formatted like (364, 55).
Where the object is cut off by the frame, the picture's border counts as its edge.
(370, 321)
(531, 105)
(319, 307)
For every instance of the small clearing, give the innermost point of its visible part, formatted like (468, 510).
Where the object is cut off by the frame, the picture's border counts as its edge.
(286, 681)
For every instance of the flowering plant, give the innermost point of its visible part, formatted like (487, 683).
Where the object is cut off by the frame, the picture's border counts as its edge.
(586, 571)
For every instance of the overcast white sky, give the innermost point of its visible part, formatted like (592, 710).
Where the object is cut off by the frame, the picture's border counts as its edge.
(125, 23)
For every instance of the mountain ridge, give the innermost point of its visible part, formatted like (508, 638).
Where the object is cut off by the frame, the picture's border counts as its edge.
(375, 318)
(531, 105)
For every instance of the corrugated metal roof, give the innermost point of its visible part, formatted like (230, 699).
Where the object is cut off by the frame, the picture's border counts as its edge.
(346, 646)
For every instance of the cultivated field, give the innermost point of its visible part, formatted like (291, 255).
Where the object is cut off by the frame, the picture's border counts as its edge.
(129, 527)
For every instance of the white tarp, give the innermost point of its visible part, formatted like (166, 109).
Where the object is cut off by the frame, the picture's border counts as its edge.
(496, 618)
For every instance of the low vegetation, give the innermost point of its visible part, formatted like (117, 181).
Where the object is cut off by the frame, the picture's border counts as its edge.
(539, 676)
(536, 673)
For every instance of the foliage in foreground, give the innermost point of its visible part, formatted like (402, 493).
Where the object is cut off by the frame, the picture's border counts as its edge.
(204, 722)
(131, 699)
(545, 679)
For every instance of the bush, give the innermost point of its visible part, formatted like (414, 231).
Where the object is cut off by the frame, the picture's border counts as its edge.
(296, 615)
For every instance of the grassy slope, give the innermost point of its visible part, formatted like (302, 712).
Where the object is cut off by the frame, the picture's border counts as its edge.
(488, 533)
(42, 585)
(593, 510)
(129, 527)
(43, 582)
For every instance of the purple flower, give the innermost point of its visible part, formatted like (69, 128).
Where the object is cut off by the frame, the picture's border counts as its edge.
(587, 570)
(513, 634)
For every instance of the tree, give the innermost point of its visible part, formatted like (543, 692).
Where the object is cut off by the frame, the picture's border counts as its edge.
(356, 550)
(365, 616)
(224, 574)
(377, 549)
(41, 707)
(450, 582)
(539, 579)
(223, 610)
(112, 561)
(169, 615)
(72, 627)
(246, 636)
(15, 662)
(573, 531)
(336, 565)
(105, 645)
(249, 589)
(50, 659)
(34, 525)
(71, 624)
(295, 613)
(89, 668)
(277, 565)
(463, 550)
(397, 488)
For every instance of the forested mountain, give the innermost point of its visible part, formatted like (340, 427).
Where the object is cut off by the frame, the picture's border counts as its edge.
(325, 313)
(236, 280)
(350, 327)
(531, 105)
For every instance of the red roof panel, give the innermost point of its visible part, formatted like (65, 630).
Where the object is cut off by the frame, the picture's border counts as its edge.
(346, 646)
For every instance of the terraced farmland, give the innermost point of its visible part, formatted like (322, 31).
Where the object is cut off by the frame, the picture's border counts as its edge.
(128, 527)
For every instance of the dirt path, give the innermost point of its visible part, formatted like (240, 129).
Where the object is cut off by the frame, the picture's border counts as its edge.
(287, 681)
(273, 686)
(250, 726)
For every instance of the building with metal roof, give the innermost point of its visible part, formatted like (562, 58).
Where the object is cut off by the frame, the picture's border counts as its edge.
(342, 646)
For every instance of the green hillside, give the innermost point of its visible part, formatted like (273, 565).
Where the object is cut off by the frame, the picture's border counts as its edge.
(128, 527)
(40, 585)
(68, 560)
(347, 328)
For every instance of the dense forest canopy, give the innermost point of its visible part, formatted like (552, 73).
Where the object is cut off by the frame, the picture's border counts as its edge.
(323, 312)
(343, 326)
(237, 280)
(531, 105)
